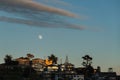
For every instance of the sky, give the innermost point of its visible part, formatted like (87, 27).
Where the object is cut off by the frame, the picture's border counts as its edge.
(70, 28)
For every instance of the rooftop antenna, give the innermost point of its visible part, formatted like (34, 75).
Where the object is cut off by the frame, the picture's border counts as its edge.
(66, 60)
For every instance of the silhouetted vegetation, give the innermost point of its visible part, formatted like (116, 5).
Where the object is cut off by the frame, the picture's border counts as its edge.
(8, 59)
(53, 58)
(88, 70)
(13, 70)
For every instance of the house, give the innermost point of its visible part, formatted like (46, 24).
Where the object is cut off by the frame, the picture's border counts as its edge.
(107, 76)
(38, 64)
(23, 61)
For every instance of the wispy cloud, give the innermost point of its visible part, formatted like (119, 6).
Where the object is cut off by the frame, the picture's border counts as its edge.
(36, 14)
(40, 23)
(59, 2)
(32, 5)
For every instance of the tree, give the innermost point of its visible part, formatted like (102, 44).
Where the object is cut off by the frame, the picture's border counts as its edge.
(53, 58)
(30, 55)
(89, 70)
(8, 59)
(87, 60)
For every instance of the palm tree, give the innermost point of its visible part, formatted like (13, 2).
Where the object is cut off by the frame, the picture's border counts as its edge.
(8, 59)
(53, 58)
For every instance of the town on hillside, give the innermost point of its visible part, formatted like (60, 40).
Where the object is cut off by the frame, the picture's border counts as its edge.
(30, 68)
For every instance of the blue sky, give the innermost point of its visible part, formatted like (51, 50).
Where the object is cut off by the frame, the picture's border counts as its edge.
(100, 38)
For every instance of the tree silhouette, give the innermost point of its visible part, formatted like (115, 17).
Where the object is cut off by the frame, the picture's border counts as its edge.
(30, 55)
(89, 70)
(8, 59)
(53, 58)
(87, 60)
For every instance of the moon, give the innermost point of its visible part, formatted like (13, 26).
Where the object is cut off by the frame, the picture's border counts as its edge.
(40, 37)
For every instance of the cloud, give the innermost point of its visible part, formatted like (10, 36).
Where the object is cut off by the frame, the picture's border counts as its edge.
(64, 4)
(32, 5)
(39, 23)
(36, 14)
(58, 2)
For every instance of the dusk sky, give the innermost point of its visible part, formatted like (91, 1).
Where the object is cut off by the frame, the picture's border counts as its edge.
(62, 27)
